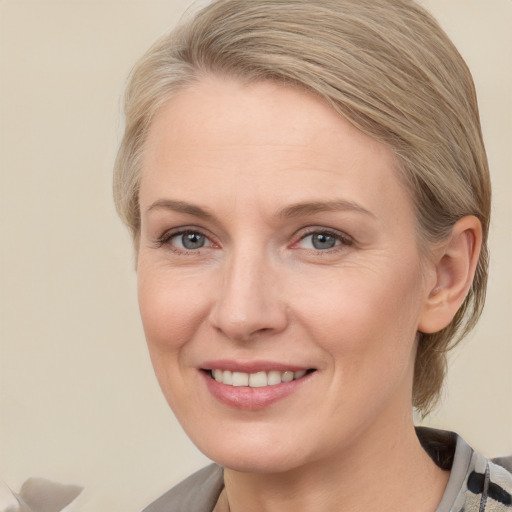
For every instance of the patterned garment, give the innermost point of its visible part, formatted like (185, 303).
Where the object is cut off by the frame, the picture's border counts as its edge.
(476, 484)
(488, 488)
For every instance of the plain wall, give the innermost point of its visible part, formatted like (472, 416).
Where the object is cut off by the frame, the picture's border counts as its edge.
(78, 399)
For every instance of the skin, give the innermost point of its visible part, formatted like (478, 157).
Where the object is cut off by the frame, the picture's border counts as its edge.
(258, 290)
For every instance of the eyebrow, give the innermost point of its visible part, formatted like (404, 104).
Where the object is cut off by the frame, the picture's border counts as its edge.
(181, 207)
(310, 208)
(292, 211)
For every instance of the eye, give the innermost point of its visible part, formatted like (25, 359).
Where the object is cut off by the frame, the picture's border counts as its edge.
(323, 240)
(187, 240)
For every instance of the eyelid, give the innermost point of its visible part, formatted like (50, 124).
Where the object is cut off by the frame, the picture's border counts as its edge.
(168, 235)
(344, 239)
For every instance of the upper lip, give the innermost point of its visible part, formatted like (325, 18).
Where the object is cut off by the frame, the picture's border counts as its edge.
(251, 366)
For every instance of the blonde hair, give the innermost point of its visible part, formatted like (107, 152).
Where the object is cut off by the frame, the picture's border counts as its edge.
(384, 65)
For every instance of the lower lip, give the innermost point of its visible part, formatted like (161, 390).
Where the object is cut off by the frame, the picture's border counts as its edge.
(252, 399)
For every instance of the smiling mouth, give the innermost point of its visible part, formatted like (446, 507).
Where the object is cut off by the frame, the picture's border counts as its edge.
(256, 380)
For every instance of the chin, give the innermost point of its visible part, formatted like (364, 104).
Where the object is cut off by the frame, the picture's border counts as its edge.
(247, 455)
(257, 462)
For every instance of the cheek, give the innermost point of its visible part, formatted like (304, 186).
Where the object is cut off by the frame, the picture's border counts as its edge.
(171, 314)
(170, 309)
(365, 319)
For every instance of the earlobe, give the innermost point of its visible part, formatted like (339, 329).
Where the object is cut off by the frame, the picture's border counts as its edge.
(455, 266)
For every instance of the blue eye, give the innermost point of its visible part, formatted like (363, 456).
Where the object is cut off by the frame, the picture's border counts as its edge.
(189, 241)
(322, 241)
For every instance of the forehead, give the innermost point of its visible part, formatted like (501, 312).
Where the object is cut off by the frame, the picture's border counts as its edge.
(230, 112)
(220, 134)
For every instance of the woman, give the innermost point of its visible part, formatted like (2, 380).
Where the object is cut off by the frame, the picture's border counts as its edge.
(309, 198)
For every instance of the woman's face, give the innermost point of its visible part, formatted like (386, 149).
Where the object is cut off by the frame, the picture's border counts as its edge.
(277, 243)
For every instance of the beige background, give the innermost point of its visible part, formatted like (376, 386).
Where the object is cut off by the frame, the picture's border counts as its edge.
(78, 400)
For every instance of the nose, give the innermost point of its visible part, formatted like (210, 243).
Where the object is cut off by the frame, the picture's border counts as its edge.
(251, 302)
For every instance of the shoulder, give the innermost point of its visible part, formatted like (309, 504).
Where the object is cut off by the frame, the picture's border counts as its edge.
(492, 483)
(485, 485)
(198, 493)
(476, 484)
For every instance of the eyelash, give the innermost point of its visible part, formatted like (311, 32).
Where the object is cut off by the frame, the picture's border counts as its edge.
(166, 238)
(342, 240)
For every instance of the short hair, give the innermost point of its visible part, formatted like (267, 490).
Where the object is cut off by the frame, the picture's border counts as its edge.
(386, 66)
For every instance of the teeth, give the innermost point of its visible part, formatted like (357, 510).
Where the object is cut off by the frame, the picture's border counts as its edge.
(255, 380)
(298, 375)
(287, 376)
(240, 379)
(274, 378)
(258, 380)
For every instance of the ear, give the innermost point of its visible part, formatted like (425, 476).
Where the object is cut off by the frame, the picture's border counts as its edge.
(455, 264)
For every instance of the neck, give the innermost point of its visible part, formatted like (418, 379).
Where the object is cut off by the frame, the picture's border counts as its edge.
(384, 469)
